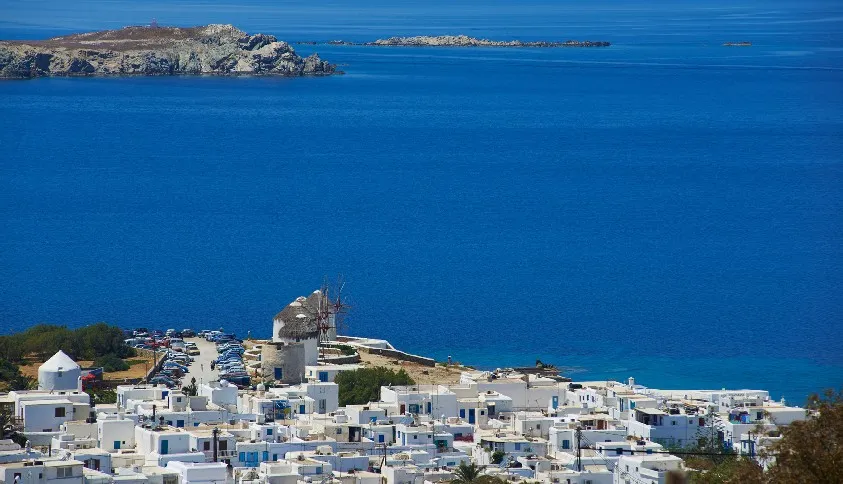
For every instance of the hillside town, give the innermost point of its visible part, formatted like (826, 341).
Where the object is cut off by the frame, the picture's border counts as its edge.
(215, 409)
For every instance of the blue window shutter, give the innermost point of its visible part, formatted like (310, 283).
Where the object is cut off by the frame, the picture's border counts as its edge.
(265, 455)
(242, 457)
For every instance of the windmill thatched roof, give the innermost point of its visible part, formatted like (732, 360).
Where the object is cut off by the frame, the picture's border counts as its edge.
(299, 320)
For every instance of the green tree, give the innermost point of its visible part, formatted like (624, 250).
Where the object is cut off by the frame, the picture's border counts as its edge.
(497, 456)
(362, 386)
(811, 450)
(191, 390)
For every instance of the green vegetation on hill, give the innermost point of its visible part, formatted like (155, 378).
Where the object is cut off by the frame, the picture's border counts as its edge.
(111, 362)
(364, 385)
(12, 379)
(44, 340)
(808, 451)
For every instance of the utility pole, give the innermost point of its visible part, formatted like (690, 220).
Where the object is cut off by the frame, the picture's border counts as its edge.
(578, 435)
(214, 434)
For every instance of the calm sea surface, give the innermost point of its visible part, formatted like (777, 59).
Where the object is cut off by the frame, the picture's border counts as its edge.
(666, 208)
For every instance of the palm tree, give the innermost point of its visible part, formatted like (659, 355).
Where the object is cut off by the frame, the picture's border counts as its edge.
(466, 473)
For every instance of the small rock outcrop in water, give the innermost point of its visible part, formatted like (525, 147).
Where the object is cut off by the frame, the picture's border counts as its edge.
(466, 41)
(151, 51)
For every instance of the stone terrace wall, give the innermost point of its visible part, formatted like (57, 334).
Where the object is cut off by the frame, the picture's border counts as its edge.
(398, 355)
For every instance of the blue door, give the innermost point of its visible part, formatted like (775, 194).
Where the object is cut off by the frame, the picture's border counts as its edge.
(323, 376)
(117, 445)
(279, 373)
(301, 409)
(471, 415)
(165, 446)
(179, 423)
(555, 402)
(380, 437)
(429, 407)
(462, 413)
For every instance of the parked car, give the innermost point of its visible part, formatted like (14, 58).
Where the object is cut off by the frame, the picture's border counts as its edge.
(160, 379)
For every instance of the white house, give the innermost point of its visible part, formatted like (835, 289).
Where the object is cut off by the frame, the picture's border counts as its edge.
(200, 472)
(60, 372)
(649, 469)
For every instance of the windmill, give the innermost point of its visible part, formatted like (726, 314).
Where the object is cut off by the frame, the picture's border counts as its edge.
(330, 313)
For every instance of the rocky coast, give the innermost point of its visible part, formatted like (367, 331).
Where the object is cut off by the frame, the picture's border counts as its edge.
(463, 41)
(151, 51)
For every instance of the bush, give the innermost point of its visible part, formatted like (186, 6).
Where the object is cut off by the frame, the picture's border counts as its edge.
(111, 362)
(497, 456)
(364, 385)
(102, 395)
(346, 350)
(86, 343)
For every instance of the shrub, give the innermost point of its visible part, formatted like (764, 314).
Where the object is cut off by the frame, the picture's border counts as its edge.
(346, 350)
(364, 385)
(111, 362)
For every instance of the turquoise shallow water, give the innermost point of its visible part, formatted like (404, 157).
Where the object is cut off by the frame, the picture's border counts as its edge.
(666, 208)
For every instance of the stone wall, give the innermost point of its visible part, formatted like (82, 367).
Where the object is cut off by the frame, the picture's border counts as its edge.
(290, 357)
(398, 355)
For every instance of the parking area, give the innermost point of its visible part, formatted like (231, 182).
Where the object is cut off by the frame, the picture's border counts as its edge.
(200, 368)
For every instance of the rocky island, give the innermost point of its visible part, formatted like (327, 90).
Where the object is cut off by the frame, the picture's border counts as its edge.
(151, 51)
(464, 41)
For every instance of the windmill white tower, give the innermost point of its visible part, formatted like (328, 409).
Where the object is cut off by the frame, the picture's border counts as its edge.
(60, 373)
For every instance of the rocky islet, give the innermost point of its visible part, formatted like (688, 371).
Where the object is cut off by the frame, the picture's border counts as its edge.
(213, 49)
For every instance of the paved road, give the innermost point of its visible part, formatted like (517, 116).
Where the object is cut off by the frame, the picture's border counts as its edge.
(201, 367)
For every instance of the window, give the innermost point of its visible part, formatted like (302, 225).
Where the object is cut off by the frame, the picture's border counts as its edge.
(242, 457)
(60, 412)
(619, 451)
(268, 431)
(178, 399)
(673, 422)
(566, 444)
(63, 472)
(518, 446)
(223, 445)
(339, 430)
(206, 446)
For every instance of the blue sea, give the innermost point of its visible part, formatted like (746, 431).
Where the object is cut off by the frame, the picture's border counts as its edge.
(666, 208)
